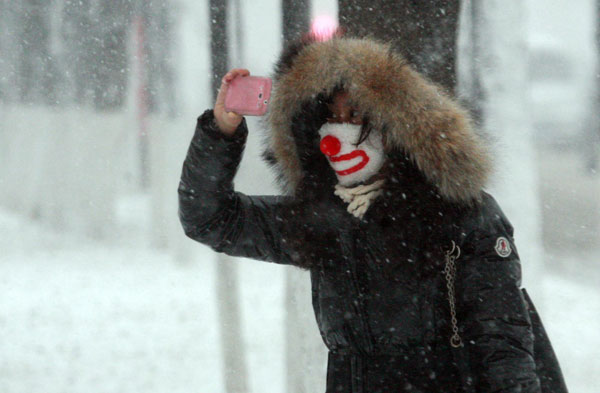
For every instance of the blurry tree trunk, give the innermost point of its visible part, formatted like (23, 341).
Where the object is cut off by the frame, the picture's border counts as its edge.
(500, 94)
(305, 353)
(592, 134)
(5, 33)
(78, 43)
(160, 107)
(141, 98)
(232, 343)
(111, 22)
(236, 32)
(423, 31)
(474, 9)
(36, 69)
(296, 18)
(218, 43)
(467, 67)
(158, 48)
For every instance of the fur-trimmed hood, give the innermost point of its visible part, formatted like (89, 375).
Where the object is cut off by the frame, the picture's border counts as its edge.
(415, 115)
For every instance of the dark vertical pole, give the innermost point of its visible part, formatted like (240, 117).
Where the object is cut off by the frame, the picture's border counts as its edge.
(239, 32)
(424, 32)
(232, 343)
(3, 49)
(78, 38)
(36, 79)
(296, 18)
(142, 100)
(592, 137)
(476, 96)
(218, 43)
(109, 62)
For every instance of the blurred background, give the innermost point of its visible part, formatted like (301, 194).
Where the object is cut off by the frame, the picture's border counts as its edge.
(101, 291)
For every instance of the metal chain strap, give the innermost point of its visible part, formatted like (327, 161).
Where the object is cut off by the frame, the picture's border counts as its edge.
(450, 273)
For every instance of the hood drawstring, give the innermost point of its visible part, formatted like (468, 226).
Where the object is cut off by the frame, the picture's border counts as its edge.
(359, 198)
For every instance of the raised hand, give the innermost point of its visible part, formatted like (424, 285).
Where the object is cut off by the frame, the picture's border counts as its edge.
(227, 121)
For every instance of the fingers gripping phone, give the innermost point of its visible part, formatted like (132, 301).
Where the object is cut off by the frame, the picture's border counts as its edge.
(248, 95)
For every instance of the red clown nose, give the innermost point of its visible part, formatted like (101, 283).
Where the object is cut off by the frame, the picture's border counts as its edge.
(330, 145)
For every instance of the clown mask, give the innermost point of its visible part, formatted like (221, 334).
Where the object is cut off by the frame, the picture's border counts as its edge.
(352, 163)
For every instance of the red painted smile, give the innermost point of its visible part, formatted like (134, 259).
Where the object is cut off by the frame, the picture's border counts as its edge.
(350, 156)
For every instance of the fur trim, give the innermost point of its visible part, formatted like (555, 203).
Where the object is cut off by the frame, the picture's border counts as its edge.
(415, 115)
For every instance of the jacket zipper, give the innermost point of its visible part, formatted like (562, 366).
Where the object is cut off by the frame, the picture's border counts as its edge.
(366, 332)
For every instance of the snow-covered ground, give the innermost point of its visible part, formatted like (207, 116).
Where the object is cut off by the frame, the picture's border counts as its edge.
(80, 316)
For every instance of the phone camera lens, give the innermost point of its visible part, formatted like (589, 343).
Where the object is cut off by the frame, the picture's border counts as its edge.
(265, 102)
(259, 95)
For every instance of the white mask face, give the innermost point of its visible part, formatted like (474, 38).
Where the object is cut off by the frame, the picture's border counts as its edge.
(352, 164)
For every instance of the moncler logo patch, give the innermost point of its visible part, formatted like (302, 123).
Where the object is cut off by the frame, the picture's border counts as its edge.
(503, 247)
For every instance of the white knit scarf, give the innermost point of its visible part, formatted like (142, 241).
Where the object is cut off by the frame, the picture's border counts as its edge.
(359, 198)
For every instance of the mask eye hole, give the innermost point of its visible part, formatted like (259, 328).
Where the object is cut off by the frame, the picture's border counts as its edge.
(352, 116)
(355, 116)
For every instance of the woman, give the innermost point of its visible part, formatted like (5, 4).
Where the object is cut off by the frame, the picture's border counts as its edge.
(415, 276)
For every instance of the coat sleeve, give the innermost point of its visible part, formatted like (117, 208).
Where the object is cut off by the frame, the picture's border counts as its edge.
(211, 212)
(496, 328)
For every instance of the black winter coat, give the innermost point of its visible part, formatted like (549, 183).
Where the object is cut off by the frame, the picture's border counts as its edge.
(380, 294)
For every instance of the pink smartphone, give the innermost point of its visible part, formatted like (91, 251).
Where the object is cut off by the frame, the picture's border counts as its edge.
(248, 95)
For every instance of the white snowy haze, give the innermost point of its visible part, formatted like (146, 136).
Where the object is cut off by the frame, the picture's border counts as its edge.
(100, 291)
